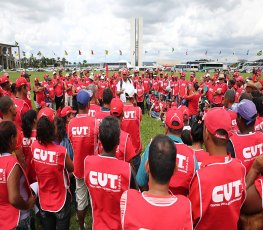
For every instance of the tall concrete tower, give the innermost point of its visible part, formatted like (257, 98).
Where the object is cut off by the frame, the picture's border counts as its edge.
(136, 41)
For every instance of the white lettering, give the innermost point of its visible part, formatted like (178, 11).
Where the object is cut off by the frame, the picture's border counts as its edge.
(78, 131)
(253, 151)
(180, 158)
(103, 179)
(45, 155)
(129, 114)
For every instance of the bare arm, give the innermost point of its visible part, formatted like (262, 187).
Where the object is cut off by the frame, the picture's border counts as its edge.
(69, 164)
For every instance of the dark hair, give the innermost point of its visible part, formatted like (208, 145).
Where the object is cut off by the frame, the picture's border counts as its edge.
(7, 131)
(45, 131)
(162, 158)
(186, 137)
(28, 122)
(256, 93)
(175, 131)
(81, 106)
(245, 95)
(60, 125)
(230, 95)
(232, 82)
(259, 105)
(196, 86)
(5, 104)
(109, 133)
(21, 87)
(197, 130)
(220, 141)
(107, 96)
(248, 123)
(13, 88)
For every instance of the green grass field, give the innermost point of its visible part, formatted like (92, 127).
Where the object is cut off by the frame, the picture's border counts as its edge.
(149, 128)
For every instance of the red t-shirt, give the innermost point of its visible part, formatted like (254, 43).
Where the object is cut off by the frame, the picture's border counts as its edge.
(193, 103)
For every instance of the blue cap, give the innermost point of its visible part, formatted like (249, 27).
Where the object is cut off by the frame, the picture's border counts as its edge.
(84, 96)
(247, 110)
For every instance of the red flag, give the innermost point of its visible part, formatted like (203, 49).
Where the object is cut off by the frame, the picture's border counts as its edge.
(107, 70)
(92, 52)
(79, 52)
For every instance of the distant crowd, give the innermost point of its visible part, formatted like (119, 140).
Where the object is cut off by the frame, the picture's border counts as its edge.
(78, 142)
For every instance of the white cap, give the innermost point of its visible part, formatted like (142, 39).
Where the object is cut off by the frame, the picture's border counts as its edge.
(130, 91)
(102, 78)
(91, 77)
(54, 72)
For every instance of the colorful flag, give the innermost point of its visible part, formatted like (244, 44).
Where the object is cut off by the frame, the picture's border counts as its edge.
(172, 49)
(120, 52)
(66, 53)
(220, 52)
(106, 52)
(92, 52)
(259, 53)
(79, 52)
(39, 53)
(24, 53)
(247, 52)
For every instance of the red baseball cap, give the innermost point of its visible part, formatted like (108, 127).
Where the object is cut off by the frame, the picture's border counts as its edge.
(186, 113)
(240, 78)
(47, 112)
(20, 81)
(174, 118)
(67, 110)
(4, 79)
(116, 107)
(182, 74)
(216, 119)
(124, 72)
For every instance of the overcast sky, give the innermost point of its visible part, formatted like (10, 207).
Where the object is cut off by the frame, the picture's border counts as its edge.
(194, 26)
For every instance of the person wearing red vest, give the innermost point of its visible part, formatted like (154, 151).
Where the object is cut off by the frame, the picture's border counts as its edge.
(155, 110)
(93, 107)
(5, 85)
(102, 84)
(59, 90)
(174, 84)
(131, 124)
(198, 141)
(182, 87)
(186, 162)
(218, 188)
(68, 86)
(22, 91)
(259, 120)
(140, 95)
(238, 87)
(50, 94)
(29, 133)
(107, 177)
(246, 144)
(156, 208)
(82, 133)
(39, 92)
(220, 89)
(104, 111)
(51, 164)
(15, 196)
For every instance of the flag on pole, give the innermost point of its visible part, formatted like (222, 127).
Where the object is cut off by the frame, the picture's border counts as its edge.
(259, 53)
(220, 52)
(172, 49)
(233, 52)
(66, 53)
(145, 51)
(54, 53)
(106, 52)
(92, 52)
(186, 53)
(24, 53)
(205, 52)
(16, 43)
(16, 54)
(247, 52)
(79, 52)
(32, 55)
(120, 52)
(39, 53)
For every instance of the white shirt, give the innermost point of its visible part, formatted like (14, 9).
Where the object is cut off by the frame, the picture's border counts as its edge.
(125, 85)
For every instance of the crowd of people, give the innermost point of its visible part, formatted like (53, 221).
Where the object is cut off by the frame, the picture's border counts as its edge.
(82, 145)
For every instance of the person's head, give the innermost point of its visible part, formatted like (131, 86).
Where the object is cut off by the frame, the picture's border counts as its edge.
(197, 131)
(45, 126)
(217, 125)
(21, 86)
(186, 137)
(67, 113)
(29, 119)
(5, 83)
(124, 74)
(83, 100)
(245, 95)
(174, 122)
(13, 89)
(231, 83)
(229, 98)
(162, 159)
(8, 107)
(93, 89)
(240, 81)
(109, 134)
(27, 77)
(246, 115)
(196, 86)
(8, 134)
(107, 96)
(258, 101)
(60, 128)
(116, 108)
(129, 93)
(221, 78)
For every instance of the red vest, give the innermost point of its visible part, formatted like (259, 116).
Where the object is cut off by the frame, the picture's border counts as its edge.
(222, 188)
(93, 110)
(182, 88)
(141, 213)
(157, 107)
(146, 84)
(139, 93)
(40, 96)
(100, 115)
(180, 181)
(49, 165)
(200, 155)
(59, 89)
(247, 147)
(21, 108)
(9, 215)
(106, 178)
(82, 133)
(69, 85)
(131, 124)
(26, 145)
(51, 92)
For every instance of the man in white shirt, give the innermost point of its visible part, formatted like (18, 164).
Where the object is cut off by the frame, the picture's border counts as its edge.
(123, 84)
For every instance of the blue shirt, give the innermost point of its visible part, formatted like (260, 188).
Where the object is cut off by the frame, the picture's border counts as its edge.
(142, 177)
